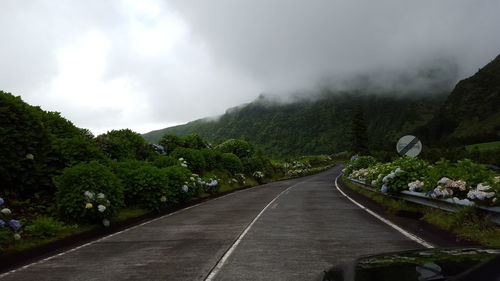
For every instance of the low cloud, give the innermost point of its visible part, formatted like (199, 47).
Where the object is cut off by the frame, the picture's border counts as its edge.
(150, 64)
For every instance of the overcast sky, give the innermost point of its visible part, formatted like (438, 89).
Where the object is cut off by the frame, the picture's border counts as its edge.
(149, 64)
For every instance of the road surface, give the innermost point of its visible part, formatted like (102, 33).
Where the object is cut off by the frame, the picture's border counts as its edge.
(309, 227)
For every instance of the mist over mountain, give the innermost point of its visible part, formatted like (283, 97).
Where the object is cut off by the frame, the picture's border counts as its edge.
(321, 122)
(471, 112)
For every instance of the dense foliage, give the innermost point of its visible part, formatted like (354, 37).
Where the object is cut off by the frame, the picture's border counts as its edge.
(74, 185)
(240, 148)
(470, 113)
(123, 144)
(463, 180)
(329, 122)
(25, 144)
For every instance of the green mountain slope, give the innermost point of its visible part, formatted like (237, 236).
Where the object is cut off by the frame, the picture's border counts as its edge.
(314, 126)
(471, 113)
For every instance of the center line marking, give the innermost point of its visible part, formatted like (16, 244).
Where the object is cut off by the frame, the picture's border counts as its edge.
(229, 252)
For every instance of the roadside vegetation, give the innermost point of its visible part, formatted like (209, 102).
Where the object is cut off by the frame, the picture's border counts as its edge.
(463, 181)
(59, 180)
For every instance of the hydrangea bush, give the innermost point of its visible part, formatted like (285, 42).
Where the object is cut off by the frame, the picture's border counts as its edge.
(359, 162)
(76, 183)
(464, 180)
(210, 183)
(9, 227)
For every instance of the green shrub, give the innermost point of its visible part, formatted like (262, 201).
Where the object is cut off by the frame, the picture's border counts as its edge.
(144, 184)
(170, 142)
(357, 163)
(147, 188)
(24, 146)
(252, 164)
(194, 141)
(73, 150)
(240, 148)
(211, 157)
(194, 158)
(163, 161)
(5, 238)
(122, 144)
(473, 173)
(231, 163)
(211, 183)
(45, 227)
(87, 177)
(406, 170)
(177, 177)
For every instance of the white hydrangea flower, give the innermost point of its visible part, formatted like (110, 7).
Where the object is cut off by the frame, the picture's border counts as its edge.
(185, 188)
(443, 180)
(89, 194)
(101, 196)
(101, 208)
(6, 211)
(482, 187)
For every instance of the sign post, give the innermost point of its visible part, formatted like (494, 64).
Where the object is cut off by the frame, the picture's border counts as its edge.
(409, 146)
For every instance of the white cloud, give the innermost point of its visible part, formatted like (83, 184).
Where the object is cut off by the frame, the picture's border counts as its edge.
(149, 64)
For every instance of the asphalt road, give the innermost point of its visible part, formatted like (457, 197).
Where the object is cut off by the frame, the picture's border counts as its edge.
(307, 229)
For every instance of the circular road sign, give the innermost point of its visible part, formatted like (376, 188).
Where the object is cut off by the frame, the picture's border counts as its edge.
(409, 146)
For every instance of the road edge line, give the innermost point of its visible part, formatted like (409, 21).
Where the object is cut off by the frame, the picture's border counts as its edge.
(5, 274)
(386, 221)
(216, 269)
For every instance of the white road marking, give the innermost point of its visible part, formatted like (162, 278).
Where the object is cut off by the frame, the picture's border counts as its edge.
(402, 231)
(224, 258)
(116, 233)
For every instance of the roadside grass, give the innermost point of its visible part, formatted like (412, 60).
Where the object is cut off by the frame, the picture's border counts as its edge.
(29, 241)
(128, 213)
(483, 146)
(468, 223)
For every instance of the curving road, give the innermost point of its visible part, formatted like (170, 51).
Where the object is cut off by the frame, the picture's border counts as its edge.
(288, 230)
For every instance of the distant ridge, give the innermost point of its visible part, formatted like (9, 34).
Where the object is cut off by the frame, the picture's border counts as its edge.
(469, 114)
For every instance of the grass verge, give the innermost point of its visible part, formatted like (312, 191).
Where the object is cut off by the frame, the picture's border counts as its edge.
(483, 146)
(467, 223)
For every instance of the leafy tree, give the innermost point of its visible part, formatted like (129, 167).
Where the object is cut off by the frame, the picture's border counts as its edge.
(59, 126)
(194, 141)
(253, 164)
(195, 160)
(74, 150)
(163, 161)
(231, 163)
(170, 142)
(24, 145)
(122, 144)
(359, 133)
(211, 157)
(240, 148)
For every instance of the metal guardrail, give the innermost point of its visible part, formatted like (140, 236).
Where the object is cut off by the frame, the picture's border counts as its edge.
(448, 204)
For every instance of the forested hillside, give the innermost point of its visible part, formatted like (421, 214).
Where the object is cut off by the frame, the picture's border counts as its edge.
(320, 125)
(323, 125)
(471, 112)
